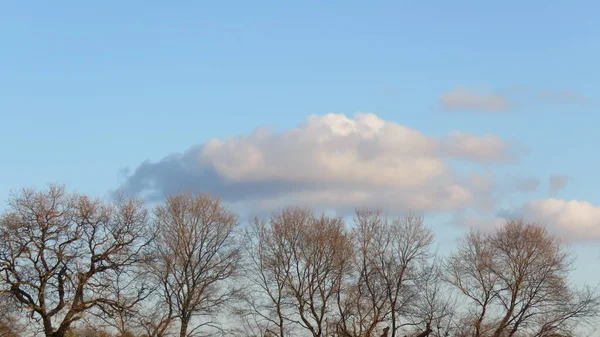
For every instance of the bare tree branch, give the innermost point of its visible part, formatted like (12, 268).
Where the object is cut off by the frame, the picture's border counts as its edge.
(196, 252)
(59, 252)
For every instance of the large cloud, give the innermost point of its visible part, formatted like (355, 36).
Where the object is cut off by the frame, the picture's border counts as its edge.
(332, 161)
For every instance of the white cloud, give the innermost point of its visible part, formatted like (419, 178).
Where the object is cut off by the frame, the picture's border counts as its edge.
(570, 220)
(462, 98)
(333, 161)
(487, 147)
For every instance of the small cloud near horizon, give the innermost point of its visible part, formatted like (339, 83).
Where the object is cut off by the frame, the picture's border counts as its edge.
(571, 220)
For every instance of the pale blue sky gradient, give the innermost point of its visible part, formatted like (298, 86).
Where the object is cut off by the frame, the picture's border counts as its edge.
(88, 89)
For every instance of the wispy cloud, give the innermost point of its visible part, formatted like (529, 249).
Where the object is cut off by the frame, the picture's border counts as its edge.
(556, 183)
(525, 184)
(463, 98)
(564, 96)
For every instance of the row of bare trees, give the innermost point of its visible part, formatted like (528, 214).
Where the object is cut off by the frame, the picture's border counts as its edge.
(74, 266)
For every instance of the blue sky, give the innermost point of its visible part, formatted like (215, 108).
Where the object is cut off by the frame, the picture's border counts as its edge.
(91, 89)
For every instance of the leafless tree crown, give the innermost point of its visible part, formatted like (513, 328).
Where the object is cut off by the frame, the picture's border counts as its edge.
(73, 266)
(60, 252)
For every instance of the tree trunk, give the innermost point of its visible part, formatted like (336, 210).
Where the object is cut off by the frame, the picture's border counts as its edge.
(48, 331)
(393, 320)
(184, 326)
(61, 331)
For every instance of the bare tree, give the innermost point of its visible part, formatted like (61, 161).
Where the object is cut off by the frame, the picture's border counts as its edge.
(130, 289)
(59, 253)
(392, 259)
(435, 309)
(467, 270)
(298, 260)
(320, 251)
(9, 322)
(154, 319)
(267, 306)
(196, 254)
(362, 300)
(580, 307)
(516, 280)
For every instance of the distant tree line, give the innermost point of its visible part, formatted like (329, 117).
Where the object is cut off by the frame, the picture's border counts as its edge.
(71, 265)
